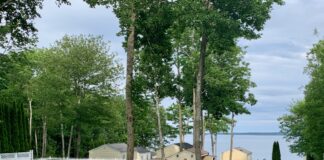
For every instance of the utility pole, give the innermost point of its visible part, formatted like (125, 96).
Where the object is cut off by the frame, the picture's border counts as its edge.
(232, 137)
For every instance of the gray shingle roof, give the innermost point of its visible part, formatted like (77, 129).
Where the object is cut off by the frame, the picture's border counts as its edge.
(192, 150)
(184, 145)
(141, 150)
(122, 147)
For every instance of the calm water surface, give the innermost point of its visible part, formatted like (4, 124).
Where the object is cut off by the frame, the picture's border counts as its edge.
(259, 145)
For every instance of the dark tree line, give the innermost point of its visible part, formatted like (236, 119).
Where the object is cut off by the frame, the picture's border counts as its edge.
(13, 128)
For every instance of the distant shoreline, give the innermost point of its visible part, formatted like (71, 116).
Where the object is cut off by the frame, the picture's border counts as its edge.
(254, 133)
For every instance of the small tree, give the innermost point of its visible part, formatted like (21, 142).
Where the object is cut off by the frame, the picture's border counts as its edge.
(276, 151)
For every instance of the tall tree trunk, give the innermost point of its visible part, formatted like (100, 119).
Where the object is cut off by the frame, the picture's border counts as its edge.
(181, 137)
(193, 107)
(203, 130)
(194, 102)
(78, 130)
(70, 142)
(215, 144)
(200, 77)
(44, 138)
(63, 145)
(180, 126)
(62, 136)
(232, 137)
(157, 105)
(36, 144)
(78, 140)
(129, 79)
(30, 119)
(212, 142)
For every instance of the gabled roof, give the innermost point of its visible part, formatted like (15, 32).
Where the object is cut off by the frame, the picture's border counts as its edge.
(121, 147)
(243, 150)
(141, 150)
(209, 158)
(192, 150)
(184, 145)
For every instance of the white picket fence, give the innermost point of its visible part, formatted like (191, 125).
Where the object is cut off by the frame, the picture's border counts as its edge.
(57, 158)
(29, 156)
(17, 156)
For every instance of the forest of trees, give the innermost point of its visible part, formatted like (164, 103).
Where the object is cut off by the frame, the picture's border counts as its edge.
(186, 50)
(304, 126)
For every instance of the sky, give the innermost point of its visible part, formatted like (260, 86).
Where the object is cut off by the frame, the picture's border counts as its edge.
(277, 59)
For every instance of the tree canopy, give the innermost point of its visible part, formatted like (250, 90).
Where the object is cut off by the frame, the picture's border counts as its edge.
(304, 125)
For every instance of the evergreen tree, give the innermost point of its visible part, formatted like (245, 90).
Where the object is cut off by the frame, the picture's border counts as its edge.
(1, 129)
(13, 128)
(276, 151)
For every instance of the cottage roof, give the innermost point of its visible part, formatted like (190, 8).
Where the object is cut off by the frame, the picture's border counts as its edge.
(192, 150)
(243, 150)
(121, 147)
(184, 145)
(208, 158)
(141, 150)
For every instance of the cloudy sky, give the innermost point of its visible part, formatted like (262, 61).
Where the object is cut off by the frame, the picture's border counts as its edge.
(277, 59)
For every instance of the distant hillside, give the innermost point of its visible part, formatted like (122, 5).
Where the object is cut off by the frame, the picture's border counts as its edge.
(255, 133)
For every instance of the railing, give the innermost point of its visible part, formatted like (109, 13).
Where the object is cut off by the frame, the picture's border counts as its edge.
(56, 158)
(18, 156)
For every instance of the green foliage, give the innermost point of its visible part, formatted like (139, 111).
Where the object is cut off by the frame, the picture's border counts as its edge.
(304, 125)
(13, 128)
(309, 157)
(153, 62)
(292, 127)
(224, 20)
(217, 125)
(17, 28)
(14, 77)
(71, 83)
(74, 79)
(173, 116)
(314, 116)
(227, 84)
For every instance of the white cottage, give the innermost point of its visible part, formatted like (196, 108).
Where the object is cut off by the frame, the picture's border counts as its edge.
(118, 151)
